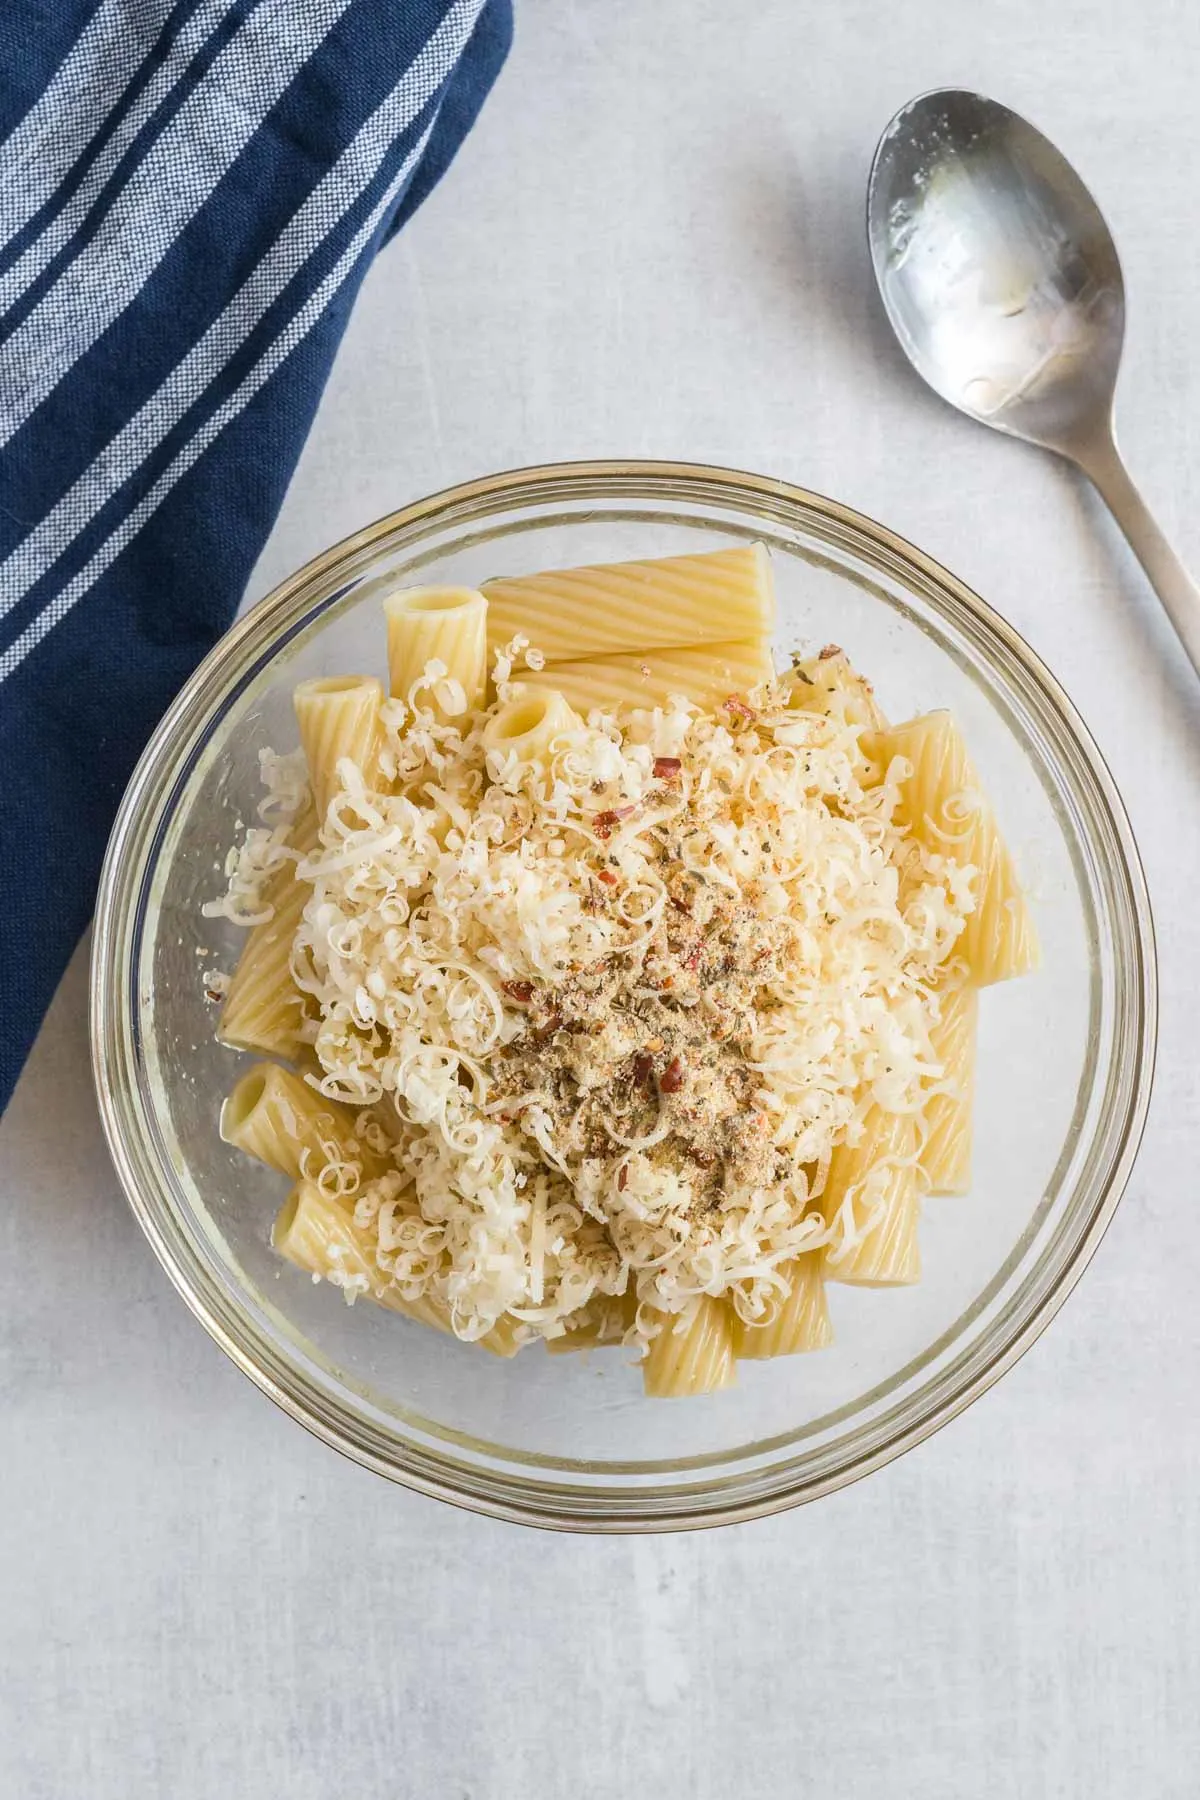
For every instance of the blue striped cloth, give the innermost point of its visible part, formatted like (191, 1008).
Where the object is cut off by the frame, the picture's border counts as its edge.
(189, 197)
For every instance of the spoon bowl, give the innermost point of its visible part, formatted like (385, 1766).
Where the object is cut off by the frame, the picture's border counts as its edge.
(998, 271)
(1003, 284)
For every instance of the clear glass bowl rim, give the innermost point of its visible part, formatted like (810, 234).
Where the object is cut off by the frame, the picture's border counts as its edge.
(121, 906)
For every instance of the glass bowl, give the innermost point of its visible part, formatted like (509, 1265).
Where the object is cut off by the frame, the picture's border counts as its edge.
(1065, 1056)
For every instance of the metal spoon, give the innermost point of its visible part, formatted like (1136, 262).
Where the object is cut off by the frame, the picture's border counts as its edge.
(1002, 282)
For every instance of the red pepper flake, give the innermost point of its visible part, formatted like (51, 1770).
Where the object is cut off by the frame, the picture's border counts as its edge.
(604, 821)
(520, 991)
(607, 877)
(680, 905)
(828, 651)
(693, 958)
(666, 768)
(739, 707)
(671, 1079)
(622, 1178)
(643, 1068)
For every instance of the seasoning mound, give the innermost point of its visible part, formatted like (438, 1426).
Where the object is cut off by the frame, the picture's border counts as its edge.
(634, 1044)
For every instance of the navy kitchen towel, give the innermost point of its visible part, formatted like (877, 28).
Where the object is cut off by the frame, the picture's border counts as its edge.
(190, 195)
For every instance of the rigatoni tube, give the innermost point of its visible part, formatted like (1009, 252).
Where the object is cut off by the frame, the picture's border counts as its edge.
(829, 684)
(801, 1319)
(263, 1010)
(943, 804)
(318, 1234)
(338, 716)
(706, 674)
(879, 1174)
(715, 598)
(279, 1118)
(446, 625)
(692, 1354)
(946, 1152)
(528, 726)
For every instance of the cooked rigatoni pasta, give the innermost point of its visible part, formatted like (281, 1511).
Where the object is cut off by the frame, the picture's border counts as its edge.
(282, 1120)
(527, 728)
(706, 674)
(633, 995)
(442, 627)
(692, 1354)
(872, 1204)
(317, 1232)
(604, 1320)
(720, 597)
(829, 684)
(800, 1320)
(946, 1150)
(943, 804)
(338, 716)
(264, 1011)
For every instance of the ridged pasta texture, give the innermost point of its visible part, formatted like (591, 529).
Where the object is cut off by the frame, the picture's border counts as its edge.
(800, 1320)
(693, 1354)
(282, 1120)
(445, 627)
(718, 597)
(318, 1233)
(872, 1204)
(706, 674)
(264, 1011)
(338, 718)
(946, 1151)
(943, 803)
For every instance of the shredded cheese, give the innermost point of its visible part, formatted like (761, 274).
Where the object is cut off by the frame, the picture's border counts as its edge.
(461, 906)
(251, 866)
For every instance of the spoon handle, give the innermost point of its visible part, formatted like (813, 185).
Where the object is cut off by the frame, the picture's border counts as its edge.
(1103, 466)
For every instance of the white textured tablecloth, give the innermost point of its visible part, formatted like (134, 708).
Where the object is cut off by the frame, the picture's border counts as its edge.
(652, 245)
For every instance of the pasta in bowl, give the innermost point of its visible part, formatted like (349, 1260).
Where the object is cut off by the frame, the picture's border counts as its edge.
(628, 1000)
(1062, 1060)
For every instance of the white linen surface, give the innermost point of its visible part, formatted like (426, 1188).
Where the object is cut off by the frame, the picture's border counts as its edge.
(652, 245)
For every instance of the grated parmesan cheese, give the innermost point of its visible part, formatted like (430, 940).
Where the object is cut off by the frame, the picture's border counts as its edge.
(495, 950)
(252, 865)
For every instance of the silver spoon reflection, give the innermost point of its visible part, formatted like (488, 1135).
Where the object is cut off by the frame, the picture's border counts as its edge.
(1002, 282)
